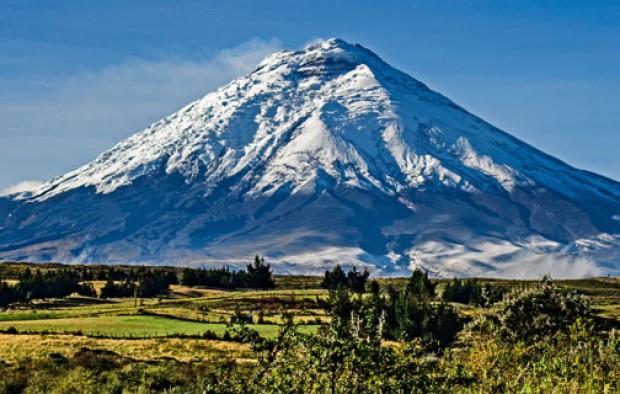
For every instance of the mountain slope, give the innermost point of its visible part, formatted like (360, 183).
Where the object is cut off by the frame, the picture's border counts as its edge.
(319, 156)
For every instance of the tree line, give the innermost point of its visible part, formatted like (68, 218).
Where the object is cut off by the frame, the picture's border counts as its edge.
(142, 282)
(257, 275)
(353, 280)
(38, 285)
(470, 291)
(123, 282)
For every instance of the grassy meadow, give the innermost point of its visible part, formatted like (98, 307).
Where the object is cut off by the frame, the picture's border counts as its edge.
(190, 312)
(190, 329)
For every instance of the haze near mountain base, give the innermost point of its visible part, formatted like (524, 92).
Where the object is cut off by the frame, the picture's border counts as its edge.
(321, 156)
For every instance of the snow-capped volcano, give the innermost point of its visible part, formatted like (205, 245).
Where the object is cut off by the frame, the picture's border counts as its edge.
(321, 156)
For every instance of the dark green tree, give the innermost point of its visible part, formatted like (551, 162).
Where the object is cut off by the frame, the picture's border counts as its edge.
(335, 278)
(259, 275)
(357, 280)
(353, 280)
(420, 285)
(467, 291)
(190, 278)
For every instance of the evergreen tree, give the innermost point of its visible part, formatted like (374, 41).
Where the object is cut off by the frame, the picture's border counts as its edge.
(190, 278)
(353, 280)
(259, 275)
(468, 291)
(335, 278)
(420, 285)
(86, 290)
(357, 280)
(108, 290)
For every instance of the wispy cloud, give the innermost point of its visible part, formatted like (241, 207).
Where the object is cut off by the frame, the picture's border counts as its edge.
(20, 187)
(315, 40)
(50, 131)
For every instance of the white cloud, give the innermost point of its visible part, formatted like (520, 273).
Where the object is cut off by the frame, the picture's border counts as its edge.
(558, 266)
(20, 187)
(167, 82)
(72, 119)
(314, 41)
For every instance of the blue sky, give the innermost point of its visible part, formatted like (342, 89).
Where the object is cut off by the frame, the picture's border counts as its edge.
(77, 77)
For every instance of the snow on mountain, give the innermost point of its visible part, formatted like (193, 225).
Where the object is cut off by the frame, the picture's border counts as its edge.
(320, 156)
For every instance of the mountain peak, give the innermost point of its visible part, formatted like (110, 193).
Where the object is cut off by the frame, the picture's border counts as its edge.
(338, 46)
(333, 42)
(330, 57)
(323, 155)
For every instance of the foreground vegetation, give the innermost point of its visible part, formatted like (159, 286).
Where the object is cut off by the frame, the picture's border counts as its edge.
(320, 335)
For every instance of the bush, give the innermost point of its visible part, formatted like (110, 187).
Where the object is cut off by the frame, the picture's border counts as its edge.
(86, 290)
(58, 358)
(343, 360)
(11, 330)
(97, 360)
(209, 334)
(420, 319)
(578, 360)
(538, 312)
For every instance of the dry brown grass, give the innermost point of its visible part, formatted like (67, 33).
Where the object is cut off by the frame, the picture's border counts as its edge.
(194, 292)
(98, 285)
(15, 347)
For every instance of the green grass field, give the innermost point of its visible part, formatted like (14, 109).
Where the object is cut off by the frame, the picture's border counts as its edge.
(178, 315)
(136, 326)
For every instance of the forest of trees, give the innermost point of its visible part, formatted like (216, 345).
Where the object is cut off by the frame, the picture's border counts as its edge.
(127, 281)
(39, 285)
(353, 280)
(402, 314)
(470, 291)
(257, 275)
(139, 283)
(51, 284)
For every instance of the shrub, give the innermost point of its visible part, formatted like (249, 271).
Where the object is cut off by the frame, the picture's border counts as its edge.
(538, 312)
(86, 290)
(58, 358)
(97, 360)
(209, 334)
(330, 362)
(11, 330)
